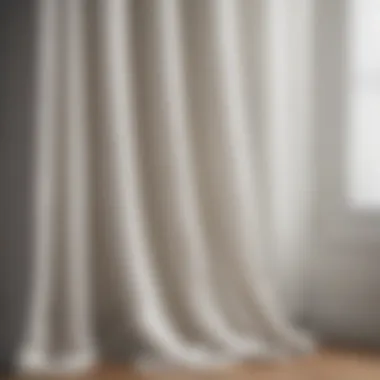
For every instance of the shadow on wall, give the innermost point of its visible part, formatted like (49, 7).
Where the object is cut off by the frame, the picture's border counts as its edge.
(17, 35)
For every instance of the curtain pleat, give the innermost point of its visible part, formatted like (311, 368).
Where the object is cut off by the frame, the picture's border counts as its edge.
(45, 181)
(151, 182)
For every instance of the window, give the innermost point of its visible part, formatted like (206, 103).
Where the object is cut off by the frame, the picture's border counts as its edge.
(363, 58)
(346, 264)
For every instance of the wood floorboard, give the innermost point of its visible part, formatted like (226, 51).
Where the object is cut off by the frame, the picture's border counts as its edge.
(327, 364)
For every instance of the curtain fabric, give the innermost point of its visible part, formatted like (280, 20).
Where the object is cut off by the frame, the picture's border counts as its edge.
(156, 223)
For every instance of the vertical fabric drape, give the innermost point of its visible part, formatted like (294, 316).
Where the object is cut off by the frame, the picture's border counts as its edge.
(152, 208)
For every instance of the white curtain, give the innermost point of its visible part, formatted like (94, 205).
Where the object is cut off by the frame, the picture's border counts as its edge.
(167, 182)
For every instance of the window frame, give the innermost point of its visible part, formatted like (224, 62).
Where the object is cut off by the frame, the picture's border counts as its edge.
(337, 220)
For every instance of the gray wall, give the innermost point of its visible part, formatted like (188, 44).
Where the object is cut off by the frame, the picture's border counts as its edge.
(17, 34)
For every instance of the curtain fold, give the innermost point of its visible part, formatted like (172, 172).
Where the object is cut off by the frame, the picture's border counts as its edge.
(151, 201)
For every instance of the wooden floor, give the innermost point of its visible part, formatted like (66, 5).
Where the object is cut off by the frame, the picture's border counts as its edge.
(331, 364)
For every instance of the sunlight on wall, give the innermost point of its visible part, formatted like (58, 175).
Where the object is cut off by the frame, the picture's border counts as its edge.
(364, 104)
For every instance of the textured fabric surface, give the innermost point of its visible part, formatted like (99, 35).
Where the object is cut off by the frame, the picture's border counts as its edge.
(155, 224)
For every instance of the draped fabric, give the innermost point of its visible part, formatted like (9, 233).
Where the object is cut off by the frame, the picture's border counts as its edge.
(155, 223)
